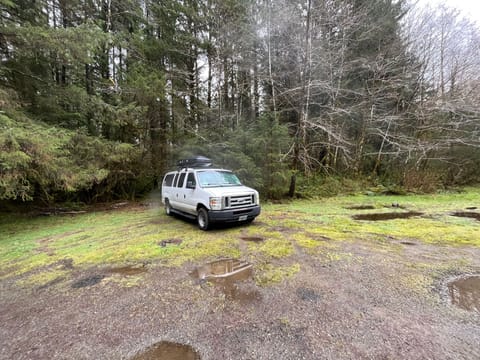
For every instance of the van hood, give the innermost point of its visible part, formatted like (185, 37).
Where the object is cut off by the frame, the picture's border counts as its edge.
(229, 190)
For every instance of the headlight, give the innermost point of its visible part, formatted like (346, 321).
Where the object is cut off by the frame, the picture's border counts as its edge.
(216, 203)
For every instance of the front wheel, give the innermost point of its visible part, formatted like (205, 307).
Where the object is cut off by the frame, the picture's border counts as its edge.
(202, 219)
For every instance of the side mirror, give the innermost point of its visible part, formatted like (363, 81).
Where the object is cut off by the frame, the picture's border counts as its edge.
(190, 184)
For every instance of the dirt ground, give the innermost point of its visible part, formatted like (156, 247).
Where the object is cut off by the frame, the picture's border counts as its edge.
(372, 301)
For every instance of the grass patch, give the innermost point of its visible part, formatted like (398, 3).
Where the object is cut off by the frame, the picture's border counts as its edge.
(331, 256)
(332, 217)
(306, 241)
(275, 248)
(129, 281)
(101, 238)
(43, 278)
(28, 245)
(270, 274)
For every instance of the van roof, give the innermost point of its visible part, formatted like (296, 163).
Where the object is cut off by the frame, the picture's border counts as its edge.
(197, 169)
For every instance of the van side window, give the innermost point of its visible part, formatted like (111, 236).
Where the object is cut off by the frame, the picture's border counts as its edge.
(175, 180)
(168, 180)
(181, 180)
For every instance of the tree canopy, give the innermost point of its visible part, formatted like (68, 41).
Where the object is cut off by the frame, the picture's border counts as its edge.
(98, 97)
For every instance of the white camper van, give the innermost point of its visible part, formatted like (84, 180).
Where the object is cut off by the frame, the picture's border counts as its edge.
(211, 195)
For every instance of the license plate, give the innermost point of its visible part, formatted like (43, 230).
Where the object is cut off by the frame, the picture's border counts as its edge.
(243, 218)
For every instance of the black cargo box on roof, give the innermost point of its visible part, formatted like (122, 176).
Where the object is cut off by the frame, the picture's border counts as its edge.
(197, 161)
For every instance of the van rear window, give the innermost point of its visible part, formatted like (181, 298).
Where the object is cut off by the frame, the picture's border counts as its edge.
(168, 181)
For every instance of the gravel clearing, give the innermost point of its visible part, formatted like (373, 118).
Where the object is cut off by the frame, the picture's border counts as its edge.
(385, 300)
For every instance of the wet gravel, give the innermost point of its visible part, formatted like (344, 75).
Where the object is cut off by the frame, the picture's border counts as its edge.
(373, 301)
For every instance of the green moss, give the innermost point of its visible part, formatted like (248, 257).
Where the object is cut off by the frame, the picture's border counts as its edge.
(332, 218)
(28, 245)
(129, 281)
(43, 278)
(420, 277)
(107, 237)
(202, 249)
(417, 282)
(273, 248)
(306, 241)
(334, 256)
(270, 274)
(275, 244)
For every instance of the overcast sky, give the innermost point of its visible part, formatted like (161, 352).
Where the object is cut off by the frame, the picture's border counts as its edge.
(469, 8)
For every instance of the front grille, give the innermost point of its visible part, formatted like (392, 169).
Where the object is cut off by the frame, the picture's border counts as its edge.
(242, 212)
(239, 201)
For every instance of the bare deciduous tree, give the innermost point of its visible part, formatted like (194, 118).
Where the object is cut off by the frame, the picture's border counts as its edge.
(448, 117)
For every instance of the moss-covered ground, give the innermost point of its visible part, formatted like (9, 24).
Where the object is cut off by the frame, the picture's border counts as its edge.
(39, 250)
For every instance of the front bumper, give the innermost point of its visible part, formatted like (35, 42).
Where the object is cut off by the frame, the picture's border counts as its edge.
(245, 214)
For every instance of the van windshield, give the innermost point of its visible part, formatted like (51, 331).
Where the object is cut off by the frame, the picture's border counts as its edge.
(213, 178)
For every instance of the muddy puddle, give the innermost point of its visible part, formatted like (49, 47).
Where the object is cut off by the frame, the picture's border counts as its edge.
(465, 293)
(127, 270)
(230, 276)
(66, 264)
(252, 238)
(97, 278)
(88, 281)
(361, 207)
(408, 243)
(167, 350)
(386, 216)
(231, 269)
(467, 214)
(167, 242)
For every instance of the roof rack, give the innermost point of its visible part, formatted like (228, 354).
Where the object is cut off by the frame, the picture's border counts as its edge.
(195, 162)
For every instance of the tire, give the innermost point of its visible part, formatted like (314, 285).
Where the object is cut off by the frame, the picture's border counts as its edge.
(168, 208)
(202, 219)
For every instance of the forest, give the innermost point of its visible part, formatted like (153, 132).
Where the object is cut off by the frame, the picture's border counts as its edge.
(98, 98)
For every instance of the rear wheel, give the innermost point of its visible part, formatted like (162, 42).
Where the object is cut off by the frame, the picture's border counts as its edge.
(168, 208)
(202, 219)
